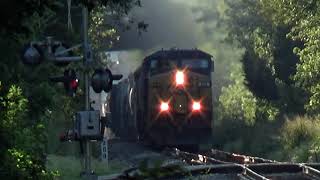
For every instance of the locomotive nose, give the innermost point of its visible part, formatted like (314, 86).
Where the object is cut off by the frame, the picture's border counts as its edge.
(180, 103)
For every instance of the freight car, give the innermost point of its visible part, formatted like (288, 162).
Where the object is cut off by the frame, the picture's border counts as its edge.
(167, 100)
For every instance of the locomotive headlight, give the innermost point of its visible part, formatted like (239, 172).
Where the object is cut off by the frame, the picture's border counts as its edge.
(164, 106)
(196, 106)
(179, 78)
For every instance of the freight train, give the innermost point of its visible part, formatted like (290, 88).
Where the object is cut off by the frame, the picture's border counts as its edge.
(167, 100)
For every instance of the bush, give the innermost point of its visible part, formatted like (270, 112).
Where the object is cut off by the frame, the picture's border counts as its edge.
(22, 141)
(300, 139)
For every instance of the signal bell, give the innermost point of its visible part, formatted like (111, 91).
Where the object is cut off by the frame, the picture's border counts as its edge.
(102, 80)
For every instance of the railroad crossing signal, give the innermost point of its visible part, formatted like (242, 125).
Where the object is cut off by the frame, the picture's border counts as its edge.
(69, 80)
(36, 52)
(87, 126)
(102, 80)
(32, 55)
(61, 50)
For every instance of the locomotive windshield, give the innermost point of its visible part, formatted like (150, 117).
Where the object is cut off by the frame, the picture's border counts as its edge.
(195, 64)
(164, 65)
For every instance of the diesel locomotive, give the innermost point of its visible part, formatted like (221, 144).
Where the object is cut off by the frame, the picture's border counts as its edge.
(167, 100)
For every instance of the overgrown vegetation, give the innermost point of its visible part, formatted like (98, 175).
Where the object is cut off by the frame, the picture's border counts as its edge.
(30, 107)
(300, 139)
(271, 108)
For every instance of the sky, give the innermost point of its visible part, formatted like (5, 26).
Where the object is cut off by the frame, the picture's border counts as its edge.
(171, 23)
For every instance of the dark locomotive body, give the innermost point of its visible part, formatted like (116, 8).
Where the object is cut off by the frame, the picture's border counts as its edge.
(167, 100)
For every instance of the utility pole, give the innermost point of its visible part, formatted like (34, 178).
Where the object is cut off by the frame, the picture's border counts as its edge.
(87, 58)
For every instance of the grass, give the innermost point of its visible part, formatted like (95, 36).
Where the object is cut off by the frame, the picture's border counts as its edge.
(69, 167)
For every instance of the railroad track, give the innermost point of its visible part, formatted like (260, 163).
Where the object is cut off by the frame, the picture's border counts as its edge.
(214, 156)
(247, 167)
(215, 164)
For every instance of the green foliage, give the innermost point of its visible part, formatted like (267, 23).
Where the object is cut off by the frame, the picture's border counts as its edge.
(267, 111)
(234, 135)
(157, 169)
(28, 103)
(25, 166)
(14, 108)
(300, 139)
(314, 102)
(101, 33)
(25, 95)
(279, 76)
(269, 62)
(303, 19)
(281, 67)
(22, 147)
(237, 102)
(298, 131)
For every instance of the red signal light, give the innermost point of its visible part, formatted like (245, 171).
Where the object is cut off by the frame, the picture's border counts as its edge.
(196, 106)
(179, 78)
(164, 107)
(74, 83)
(69, 80)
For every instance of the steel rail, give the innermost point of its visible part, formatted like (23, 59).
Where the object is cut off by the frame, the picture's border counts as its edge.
(192, 158)
(253, 169)
(242, 159)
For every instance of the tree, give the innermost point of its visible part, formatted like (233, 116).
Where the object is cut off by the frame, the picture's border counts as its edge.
(269, 61)
(303, 19)
(243, 106)
(22, 146)
(22, 131)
